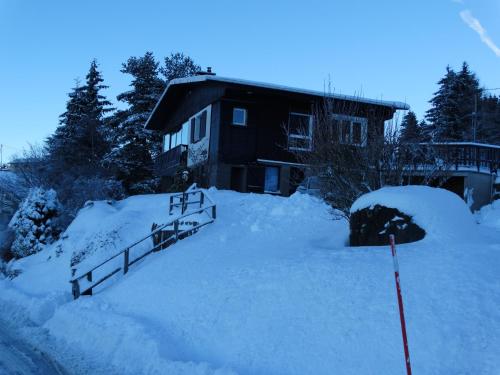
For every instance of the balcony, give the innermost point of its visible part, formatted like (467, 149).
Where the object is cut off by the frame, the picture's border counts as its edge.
(468, 155)
(167, 163)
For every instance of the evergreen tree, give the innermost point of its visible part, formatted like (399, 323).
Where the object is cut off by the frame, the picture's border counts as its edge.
(410, 129)
(441, 115)
(79, 142)
(133, 146)
(35, 223)
(468, 94)
(177, 65)
(489, 120)
(452, 107)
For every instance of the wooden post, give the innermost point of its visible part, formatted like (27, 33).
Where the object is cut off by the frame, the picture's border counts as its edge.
(202, 199)
(214, 212)
(184, 198)
(125, 260)
(176, 230)
(170, 205)
(75, 288)
(88, 292)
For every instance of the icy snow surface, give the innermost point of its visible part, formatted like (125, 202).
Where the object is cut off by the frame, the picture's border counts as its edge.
(269, 288)
(442, 214)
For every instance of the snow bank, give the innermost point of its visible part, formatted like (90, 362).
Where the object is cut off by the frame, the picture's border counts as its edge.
(490, 215)
(442, 214)
(269, 288)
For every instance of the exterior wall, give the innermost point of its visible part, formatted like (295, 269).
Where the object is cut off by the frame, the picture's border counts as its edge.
(238, 155)
(478, 189)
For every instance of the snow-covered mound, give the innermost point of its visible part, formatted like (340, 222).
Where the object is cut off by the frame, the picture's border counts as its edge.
(490, 215)
(103, 228)
(269, 288)
(442, 214)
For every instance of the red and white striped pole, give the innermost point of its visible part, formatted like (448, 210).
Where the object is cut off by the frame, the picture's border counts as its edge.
(400, 303)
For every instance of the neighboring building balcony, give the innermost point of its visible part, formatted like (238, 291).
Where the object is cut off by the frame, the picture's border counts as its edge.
(167, 163)
(478, 157)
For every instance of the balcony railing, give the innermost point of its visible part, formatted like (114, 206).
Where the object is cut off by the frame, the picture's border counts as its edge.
(167, 163)
(468, 155)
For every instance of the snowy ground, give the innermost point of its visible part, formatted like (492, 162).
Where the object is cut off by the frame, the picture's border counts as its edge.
(269, 288)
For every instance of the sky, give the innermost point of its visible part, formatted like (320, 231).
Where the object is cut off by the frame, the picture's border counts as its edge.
(389, 49)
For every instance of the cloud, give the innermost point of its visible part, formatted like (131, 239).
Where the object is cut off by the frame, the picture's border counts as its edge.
(475, 25)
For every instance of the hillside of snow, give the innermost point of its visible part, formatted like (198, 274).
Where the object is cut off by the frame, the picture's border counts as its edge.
(269, 288)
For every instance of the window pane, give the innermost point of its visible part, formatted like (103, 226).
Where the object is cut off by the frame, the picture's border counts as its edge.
(299, 124)
(345, 131)
(356, 133)
(185, 133)
(166, 142)
(299, 143)
(271, 182)
(239, 116)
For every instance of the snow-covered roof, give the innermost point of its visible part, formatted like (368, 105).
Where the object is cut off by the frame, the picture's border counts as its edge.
(272, 86)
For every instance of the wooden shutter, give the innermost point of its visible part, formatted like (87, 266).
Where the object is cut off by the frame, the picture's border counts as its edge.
(193, 124)
(203, 124)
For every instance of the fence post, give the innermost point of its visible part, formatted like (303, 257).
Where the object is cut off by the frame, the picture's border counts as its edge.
(170, 205)
(183, 203)
(125, 261)
(176, 230)
(88, 292)
(202, 199)
(75, 288)
(400, 303)
(214, 212)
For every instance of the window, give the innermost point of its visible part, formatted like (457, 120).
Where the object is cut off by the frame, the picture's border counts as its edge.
(185, 133)
(198, 127)
(239, 116)
(166, 142)
(300, 131)
(352, 130)
(272, 179)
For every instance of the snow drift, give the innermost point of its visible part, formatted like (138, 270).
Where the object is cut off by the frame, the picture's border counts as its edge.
(269, 288)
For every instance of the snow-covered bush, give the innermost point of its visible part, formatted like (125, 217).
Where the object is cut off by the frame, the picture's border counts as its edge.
(35, 224)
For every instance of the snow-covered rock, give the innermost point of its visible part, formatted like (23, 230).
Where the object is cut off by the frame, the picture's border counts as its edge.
(442, 214)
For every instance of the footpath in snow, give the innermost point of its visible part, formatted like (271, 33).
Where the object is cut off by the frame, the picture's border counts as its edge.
(269, 288)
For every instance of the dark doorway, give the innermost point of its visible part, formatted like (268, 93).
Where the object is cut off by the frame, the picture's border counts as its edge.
(238, 179)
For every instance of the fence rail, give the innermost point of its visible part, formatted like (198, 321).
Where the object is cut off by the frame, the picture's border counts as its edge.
(204, 205)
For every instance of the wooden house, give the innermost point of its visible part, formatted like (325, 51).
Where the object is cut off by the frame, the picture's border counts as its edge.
(242, 135)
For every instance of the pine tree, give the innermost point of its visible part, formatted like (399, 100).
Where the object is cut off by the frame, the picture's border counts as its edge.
(79, 142)
(410, 129)
(452, 107)
(177, 65)
(468, 94)
(489, 120)
(134, 147)
(35, 222)
(441, 115)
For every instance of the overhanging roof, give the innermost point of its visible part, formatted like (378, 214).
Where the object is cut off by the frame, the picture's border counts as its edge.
(270, 86)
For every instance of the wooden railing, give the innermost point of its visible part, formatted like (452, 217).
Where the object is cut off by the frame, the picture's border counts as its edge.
(166, 163)
(204, 205)
(482, 157)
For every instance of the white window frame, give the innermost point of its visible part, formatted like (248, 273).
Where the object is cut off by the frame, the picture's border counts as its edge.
(244, 123)
(353, 119)
(301, 136)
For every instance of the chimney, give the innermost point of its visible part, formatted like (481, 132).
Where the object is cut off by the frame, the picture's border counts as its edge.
(207, 73)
